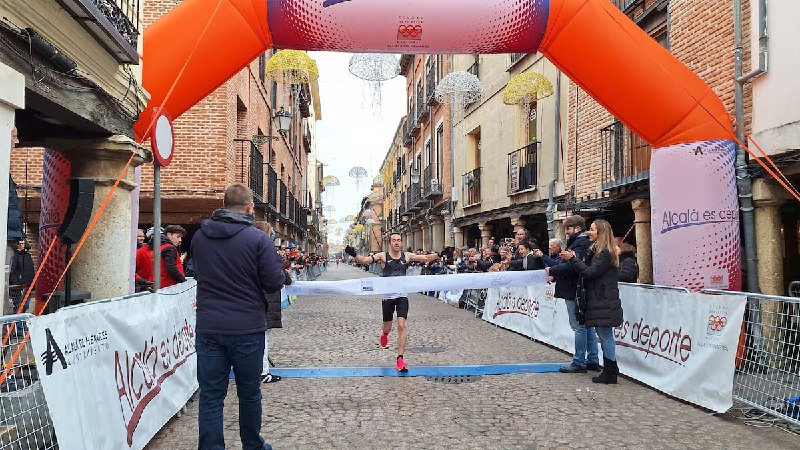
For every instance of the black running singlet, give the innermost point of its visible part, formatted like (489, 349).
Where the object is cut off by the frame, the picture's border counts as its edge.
(395, 268)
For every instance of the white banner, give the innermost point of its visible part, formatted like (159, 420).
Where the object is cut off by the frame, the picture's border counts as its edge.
(683, 344)
(115, 371)
(418, 283)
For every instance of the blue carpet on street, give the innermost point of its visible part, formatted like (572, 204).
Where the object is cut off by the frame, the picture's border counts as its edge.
(414, 371)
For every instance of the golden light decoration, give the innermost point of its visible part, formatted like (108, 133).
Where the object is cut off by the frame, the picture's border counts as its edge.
(291, 67)
(527, 87)
(358, 228)
(349, 218)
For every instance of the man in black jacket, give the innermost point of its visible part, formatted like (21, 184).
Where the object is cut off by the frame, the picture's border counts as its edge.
(21, 274)
(566, 278)
(235, 264)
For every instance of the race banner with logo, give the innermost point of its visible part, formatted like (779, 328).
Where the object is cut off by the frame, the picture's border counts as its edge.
(114, 371)
(679, 343)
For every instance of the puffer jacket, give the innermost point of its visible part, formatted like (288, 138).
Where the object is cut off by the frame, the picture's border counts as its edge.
(600, 278)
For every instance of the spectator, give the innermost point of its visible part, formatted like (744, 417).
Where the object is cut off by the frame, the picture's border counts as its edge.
(586, 356)
(231, 315)
(505, 260)
(628, 267)
(21, 274)
(272, 303)
(599, 275)
(526, 260)
(171, 265)
(139, 238)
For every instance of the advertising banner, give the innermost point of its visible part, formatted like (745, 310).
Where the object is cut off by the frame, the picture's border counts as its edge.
(695, 216)
(421, 26)
(679, 343)
(115, 371)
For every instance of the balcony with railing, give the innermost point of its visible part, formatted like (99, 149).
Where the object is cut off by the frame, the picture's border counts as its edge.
(113, 23)
(516, 57)
(430, 88)
(283, 199)
(414, 197)
(256, 175)
(432, 181)
(414, 121)
(407, 130)
(522, 169)
(401, 207)
(272, 188)
(422, 104)
(625, 156)
(623, 5)
(471, 182)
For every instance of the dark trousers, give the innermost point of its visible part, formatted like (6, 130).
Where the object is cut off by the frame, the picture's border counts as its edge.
(216, 354)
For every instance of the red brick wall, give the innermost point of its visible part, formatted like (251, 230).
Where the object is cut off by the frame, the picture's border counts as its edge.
(701, 36)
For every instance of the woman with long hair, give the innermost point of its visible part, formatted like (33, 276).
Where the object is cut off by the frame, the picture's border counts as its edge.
(598, 293)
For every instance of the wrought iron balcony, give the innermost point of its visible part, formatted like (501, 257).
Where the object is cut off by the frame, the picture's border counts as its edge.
(626, 156)
(623, 5)
(422, 104)
(283, 199)
(516, 57)
(272, 188)
(414, 195)
(432, 181)
(256, 173)
(431, 81)
(113, 23)
(522, 165)
(472, 187)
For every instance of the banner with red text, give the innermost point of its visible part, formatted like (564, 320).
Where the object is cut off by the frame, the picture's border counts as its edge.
(115, 371)
(683, 344)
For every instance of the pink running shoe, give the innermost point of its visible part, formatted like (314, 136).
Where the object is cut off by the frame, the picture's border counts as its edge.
(401, 365)
(384, 340)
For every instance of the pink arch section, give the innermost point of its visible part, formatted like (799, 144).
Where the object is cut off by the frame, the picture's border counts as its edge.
(202, 43)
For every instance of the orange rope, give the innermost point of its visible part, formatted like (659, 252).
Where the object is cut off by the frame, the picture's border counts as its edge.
(85, 236)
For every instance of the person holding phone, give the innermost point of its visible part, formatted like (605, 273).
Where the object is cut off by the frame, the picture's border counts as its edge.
(599, 274)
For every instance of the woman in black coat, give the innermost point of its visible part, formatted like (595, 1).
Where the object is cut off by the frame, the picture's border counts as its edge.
(272, 303)
(628, 267)
(599, 292)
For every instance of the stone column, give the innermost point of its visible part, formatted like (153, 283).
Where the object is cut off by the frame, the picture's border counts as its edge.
(518, 223)
(425, 231)
(101, 266)
(768, 200)
(644, 239)
(439, 238)
(459, 233)
(486, 233)
(12, 97)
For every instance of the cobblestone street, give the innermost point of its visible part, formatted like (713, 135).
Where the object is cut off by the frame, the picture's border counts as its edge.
(542, 410)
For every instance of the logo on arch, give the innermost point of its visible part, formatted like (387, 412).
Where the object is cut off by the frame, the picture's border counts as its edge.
(409, 31)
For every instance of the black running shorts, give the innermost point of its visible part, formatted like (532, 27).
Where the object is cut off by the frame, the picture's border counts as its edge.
(389, 306)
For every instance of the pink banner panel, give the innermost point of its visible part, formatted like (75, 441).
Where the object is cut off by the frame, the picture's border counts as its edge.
(409, 26)
(55, 199)
(695, 216)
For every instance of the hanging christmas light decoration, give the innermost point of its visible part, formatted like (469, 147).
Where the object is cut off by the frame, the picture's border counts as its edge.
(359, 173)
(526, 88)
(460, 89)
(329, 209)
(374, 68)
(291, 67)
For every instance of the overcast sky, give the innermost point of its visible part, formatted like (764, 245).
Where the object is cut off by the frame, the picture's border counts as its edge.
(350, 133)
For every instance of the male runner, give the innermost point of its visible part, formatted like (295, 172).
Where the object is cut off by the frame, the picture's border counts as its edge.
(395, 263)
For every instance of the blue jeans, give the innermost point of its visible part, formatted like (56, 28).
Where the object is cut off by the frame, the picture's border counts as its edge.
(607, 342)
(216, 354)
(585, 340)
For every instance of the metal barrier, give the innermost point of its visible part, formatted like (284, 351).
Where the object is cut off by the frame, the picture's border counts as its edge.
(767, 374)
(24, 418)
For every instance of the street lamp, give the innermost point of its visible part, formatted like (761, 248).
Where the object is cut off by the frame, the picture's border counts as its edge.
(284, 120)
(415, 176)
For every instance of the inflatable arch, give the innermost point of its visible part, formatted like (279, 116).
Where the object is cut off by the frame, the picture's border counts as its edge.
(695, 224)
